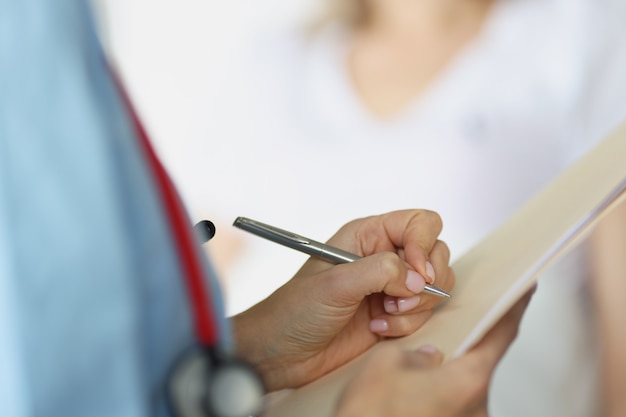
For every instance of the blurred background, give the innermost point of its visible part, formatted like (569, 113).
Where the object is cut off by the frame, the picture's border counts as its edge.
(258, 110)
(172, 54)
(174, 57)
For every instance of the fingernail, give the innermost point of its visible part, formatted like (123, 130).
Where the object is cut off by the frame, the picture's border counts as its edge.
(430, 271)
(406, 304)
(379, 325)
(390, 305)
(429, 349)
(415, 282)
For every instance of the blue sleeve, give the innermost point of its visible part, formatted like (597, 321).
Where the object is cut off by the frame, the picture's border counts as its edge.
(92, 307)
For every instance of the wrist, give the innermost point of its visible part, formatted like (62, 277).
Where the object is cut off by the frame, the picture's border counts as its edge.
(256, 343)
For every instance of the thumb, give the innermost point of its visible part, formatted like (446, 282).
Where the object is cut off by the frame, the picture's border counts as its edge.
(425, 357)
(383, 272)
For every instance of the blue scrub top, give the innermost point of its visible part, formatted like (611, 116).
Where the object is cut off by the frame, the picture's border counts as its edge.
(93, 308)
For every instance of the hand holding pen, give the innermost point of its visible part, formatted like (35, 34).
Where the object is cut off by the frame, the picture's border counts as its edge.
(326, 315)
(309, 246)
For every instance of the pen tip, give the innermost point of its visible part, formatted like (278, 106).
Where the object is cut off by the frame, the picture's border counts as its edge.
(437, 291)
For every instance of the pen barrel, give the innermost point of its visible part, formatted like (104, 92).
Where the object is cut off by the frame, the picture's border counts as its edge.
(336, 256)
(295, 241)
(308, 246)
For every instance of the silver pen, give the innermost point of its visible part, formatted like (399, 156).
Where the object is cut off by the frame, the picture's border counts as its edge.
(308, 246)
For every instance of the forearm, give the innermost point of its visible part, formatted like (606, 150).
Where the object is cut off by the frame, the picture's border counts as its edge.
(253, 343)
(609, 287)
(261, 340)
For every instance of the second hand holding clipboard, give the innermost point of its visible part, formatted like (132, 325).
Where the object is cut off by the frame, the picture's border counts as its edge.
(309, 246)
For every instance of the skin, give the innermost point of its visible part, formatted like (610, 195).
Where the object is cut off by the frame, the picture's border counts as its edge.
(323, 317)
(326, 315)
(608, 285)
(396, 54)
(404, 45)
(396, 383)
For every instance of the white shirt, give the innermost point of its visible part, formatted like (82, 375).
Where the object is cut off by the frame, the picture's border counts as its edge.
(293, 146)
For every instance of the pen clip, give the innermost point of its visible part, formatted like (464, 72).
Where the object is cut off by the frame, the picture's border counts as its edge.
(288, 235)
(247, 224)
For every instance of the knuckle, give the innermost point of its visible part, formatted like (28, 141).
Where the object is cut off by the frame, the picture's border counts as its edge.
(389, 264)
(443, 247)
(404, 325)
(434, 217)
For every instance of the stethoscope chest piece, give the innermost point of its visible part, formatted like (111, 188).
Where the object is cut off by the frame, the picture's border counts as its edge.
(204, 385)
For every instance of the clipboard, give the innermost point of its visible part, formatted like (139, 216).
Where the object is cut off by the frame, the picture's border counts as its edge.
(497, 271)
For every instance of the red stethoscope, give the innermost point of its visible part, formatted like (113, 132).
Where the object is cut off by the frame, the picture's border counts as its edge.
(204, 382)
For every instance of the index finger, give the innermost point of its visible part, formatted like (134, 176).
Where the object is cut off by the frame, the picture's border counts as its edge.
(413, 231)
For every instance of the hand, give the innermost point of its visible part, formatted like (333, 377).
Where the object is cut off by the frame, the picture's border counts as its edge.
(327, 315)
(396, 383)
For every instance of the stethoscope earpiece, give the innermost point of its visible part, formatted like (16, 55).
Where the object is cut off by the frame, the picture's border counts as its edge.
(206, 383)
(205, 230)
(192, 384)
